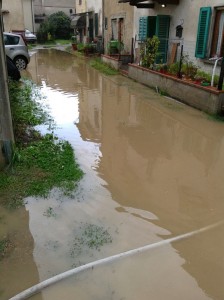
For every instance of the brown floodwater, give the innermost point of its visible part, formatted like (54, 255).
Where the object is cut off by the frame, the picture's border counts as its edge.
(153, 171)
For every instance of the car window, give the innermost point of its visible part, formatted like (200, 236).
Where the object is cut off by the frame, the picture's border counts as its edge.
(11, 40)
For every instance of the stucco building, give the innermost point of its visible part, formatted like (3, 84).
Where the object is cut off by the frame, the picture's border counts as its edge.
(194, 26)
(17, 15)
(87, 20)
(44, 8)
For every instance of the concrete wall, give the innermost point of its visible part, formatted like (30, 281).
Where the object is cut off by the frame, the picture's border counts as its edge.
(205, 99)
(14, 20)
(112, 62)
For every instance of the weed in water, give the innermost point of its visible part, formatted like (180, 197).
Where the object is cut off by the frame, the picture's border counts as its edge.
(90, 237)
(50, 213)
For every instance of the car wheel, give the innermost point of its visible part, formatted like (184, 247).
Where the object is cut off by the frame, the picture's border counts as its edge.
(20, 63)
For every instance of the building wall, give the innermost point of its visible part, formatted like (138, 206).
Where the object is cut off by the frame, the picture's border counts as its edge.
(14, 20)
(187, 15)
(43, 8)
(81, 6)
(114, 10)
(28, 15)
(95, 6)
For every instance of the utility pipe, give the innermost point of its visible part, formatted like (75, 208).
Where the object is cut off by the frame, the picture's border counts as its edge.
(214, 68)
(40, 286)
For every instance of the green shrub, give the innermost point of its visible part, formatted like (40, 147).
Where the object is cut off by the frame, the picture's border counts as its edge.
(149, 52)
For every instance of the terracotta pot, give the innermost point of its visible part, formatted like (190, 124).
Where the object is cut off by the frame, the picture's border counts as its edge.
(74, 46)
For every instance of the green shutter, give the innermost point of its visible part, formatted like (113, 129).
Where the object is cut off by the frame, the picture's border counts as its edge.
(96, 25)
(151, 26)
(203, 31)
(162, 32)
(143, 28)
(91, 29)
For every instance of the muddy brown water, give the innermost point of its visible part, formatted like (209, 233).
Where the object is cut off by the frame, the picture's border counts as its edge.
(153, 170)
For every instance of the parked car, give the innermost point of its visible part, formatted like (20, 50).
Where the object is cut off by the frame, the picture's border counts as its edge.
(16, 48)
(13, 72)
(30, 37)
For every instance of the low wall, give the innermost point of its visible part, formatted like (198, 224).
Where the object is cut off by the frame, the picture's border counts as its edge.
(113, 62)
(206, 99)
(116, 60)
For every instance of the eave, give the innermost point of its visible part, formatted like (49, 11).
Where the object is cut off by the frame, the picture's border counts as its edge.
(138, 3)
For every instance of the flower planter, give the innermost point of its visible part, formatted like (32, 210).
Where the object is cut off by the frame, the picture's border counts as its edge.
(205, 98)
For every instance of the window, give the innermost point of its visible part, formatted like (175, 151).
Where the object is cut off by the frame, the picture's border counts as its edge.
(11, 40)
(114, 29)
(80, 2)
(217, 35)
(156, 25)
(217, 47)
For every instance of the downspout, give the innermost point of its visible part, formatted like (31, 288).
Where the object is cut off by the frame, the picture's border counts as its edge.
(33, 22)
(103, 25)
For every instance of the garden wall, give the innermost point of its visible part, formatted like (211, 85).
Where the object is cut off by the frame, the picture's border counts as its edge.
(207, 99)
(116, 60)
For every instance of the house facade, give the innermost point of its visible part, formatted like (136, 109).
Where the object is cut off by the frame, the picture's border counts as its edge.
(118, 24)
(195, 27)
(87, 20)
(44, 8)
(18, 15)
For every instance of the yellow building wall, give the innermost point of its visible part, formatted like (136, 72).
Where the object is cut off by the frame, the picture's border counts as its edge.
(115, 11)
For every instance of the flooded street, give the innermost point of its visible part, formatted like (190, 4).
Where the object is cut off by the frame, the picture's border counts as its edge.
(153, 171)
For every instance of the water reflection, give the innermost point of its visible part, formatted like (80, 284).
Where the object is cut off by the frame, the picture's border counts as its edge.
(153, 168)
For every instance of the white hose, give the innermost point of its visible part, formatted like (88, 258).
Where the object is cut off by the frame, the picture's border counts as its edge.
(40, 286)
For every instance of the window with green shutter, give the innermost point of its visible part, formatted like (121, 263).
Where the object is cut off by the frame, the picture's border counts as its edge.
(159, 26)
(203, 31)
(162, 31)
(143, 28)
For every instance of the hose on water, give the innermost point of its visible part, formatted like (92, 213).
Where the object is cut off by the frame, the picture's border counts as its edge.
(40, 286)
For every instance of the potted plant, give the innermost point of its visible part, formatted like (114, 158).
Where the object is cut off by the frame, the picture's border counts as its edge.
(115, 47)
(74, 42)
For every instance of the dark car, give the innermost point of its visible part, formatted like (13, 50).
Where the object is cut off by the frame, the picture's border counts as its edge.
(13, 72)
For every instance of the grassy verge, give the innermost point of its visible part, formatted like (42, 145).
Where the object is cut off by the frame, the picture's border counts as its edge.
(102, 67)
(39, 163)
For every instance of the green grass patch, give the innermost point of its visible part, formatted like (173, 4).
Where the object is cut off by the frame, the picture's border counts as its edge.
(38, 163)
(62, 42)
(102, 67)
(217, 118)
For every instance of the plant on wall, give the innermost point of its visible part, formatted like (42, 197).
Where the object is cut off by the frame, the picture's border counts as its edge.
(115, 47)
(149, 52)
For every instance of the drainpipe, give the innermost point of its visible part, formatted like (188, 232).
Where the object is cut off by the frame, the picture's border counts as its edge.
(32, 11)
(214, 68)
(103, 25)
